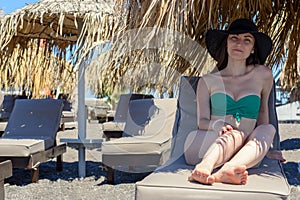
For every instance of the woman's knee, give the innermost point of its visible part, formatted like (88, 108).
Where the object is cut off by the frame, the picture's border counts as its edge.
(233, 137)
(198, 137)
(196, 144)
(189, 140)
(264, 132)
(190, 152)
(266, 128)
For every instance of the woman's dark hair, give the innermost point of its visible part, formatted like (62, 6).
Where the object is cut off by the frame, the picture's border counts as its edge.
(222, 56)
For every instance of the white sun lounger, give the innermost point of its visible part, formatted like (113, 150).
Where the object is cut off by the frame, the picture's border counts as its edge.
(30, 135)
(170, 180)
(146, 140)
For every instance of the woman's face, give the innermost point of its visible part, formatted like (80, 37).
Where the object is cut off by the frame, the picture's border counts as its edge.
(240, 46)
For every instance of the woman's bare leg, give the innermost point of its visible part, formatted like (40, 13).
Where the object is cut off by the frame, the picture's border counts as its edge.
(197, 144)
(254, 150)
(219, 152)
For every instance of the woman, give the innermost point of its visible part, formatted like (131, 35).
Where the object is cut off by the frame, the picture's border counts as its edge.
(232, 107)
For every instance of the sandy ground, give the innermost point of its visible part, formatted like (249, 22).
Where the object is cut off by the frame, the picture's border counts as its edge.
(66, 185)
(290, 145)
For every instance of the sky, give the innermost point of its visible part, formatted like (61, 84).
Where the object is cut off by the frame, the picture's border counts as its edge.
(8, 6)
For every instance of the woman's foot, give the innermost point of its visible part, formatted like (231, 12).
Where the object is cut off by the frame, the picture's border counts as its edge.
(233, 175)
(202, 176)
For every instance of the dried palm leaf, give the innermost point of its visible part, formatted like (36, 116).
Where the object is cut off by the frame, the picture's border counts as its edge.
(36, 70)
(143, 23)
(66, 27)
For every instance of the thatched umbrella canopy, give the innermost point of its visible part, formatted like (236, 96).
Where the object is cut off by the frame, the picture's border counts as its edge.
(60, 28)
(34, 69)
(64, 26)
(142, 21)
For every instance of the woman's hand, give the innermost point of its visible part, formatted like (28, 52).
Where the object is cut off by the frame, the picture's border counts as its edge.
(222, 127)
(225, 129)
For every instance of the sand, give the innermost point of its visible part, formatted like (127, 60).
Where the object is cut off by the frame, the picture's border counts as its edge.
(290, 145)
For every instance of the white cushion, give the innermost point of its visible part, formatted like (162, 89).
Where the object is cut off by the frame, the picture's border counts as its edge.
(170, 182)
(113, 126)
(137, 144)
(20, 147)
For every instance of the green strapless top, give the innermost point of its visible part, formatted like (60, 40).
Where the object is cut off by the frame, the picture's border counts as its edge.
(222, 104)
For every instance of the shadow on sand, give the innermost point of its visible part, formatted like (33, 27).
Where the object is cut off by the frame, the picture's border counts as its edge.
(70, 172)
(290, 144)
(292, 173)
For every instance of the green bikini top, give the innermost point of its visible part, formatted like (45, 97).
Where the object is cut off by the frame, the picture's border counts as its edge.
(222, 104)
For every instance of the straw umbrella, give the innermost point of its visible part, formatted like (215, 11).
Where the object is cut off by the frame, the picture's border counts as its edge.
(33, 69)
(64, 26)
(279, 19)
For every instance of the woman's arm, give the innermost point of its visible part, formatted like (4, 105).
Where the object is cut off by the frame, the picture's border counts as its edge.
(203, 105)
(204, 121)
(263, 117)
(267, 82)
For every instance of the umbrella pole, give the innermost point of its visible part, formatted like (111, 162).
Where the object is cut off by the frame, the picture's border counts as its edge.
(81, 114)
(82, 142)
(81, 120)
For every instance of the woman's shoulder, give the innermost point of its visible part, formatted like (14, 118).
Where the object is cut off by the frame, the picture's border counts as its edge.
(211, 77)
(263, 71)
(263, 68)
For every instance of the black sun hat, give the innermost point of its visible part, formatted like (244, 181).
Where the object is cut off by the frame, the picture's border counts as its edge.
(263, 42)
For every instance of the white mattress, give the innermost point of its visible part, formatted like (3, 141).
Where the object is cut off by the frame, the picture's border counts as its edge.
(18, 147)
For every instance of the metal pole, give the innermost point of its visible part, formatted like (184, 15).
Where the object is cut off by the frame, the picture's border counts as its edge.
(81, 114)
